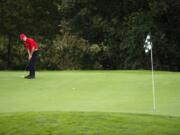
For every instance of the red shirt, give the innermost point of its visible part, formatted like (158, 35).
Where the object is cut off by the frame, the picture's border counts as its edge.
(29, 44)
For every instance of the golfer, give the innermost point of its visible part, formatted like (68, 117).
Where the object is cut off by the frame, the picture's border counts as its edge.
(32, 49)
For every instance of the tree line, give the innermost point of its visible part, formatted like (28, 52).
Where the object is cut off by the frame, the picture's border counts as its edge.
(91, 34)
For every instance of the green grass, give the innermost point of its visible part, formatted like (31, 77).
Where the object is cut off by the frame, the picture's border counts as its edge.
(79, 123)
(96, 94)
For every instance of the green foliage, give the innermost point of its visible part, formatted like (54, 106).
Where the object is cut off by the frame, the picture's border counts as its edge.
(166, 33)
(65, 52)
(135, 28)
(109, 34)
(69, 52)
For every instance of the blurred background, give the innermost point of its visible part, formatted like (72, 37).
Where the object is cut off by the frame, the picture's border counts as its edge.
(91, 34)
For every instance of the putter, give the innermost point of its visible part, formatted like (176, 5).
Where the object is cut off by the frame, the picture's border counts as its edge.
(25, 70)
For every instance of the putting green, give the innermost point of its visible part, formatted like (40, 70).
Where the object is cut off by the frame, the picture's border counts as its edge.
(97, 91)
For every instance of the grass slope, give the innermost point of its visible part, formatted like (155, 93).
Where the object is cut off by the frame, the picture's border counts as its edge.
(79, 123)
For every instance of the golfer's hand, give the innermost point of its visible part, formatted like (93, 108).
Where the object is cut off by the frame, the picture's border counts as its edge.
(29, 58)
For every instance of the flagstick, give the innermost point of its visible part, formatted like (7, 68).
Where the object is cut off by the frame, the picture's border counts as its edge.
(153, 87)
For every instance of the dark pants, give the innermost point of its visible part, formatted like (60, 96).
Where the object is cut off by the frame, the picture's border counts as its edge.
(32, 64)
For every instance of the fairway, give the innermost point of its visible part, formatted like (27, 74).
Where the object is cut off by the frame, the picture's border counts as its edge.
(93, 91)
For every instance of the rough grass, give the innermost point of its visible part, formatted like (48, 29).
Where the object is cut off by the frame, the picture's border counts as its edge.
(86, 123)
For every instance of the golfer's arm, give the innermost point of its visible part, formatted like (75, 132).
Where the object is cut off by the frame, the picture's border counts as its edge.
(33, 49)
(29, 53)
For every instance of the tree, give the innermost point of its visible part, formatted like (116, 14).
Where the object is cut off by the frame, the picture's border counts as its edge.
(38, 19)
